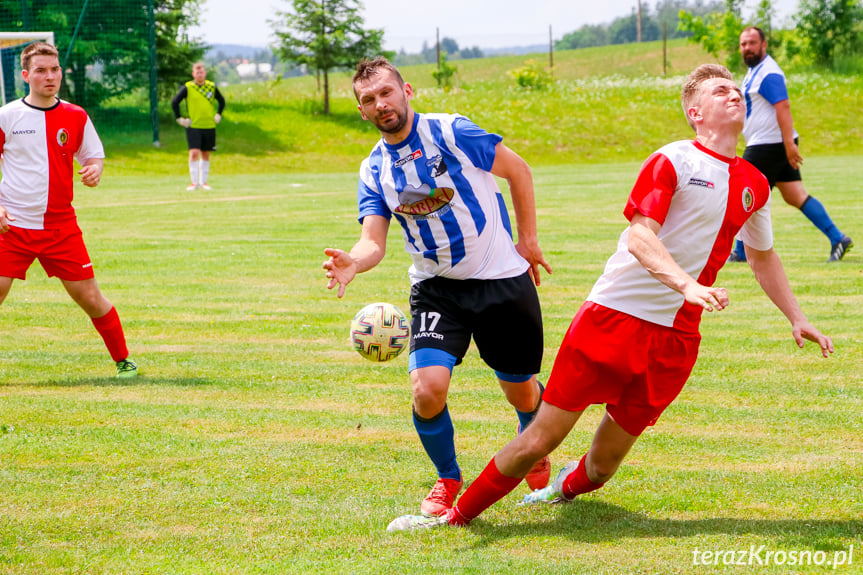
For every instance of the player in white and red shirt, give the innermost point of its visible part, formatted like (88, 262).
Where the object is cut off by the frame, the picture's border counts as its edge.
(634, 342)
(39, 137)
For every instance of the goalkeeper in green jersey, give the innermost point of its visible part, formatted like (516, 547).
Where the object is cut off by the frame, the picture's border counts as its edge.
(205, 105)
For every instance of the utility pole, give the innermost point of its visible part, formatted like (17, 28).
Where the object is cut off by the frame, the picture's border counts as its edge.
(154, 94)
(437, 50)
(664, 47)
(638, 23)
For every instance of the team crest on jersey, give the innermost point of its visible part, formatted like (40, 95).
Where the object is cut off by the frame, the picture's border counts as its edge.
(415, 155)
(748, 199)
(436, 166)
(62, 136)
(424, 200)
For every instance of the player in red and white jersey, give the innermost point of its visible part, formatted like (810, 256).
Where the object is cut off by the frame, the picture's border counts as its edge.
(634, 342)
(40, 135)
(700, 198)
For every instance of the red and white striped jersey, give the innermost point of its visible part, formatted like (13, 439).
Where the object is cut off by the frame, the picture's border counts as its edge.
(36, 150)
(702, 199)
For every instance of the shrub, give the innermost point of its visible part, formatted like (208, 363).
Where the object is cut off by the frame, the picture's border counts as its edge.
(531, 76)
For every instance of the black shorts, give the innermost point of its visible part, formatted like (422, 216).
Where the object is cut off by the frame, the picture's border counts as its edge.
(503, 316)
(772, 161)
(201, 139)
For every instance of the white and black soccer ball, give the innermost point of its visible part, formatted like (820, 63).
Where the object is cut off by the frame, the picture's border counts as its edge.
(380, 331)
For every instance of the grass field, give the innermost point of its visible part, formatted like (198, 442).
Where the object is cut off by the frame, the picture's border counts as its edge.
(609, 104)
(256, 441)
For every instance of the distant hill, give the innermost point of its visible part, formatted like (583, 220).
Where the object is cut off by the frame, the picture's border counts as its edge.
(239, 51)
(516, 50)
(234, 50)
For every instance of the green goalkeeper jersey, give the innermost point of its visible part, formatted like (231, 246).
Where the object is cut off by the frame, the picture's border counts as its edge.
(201, 101)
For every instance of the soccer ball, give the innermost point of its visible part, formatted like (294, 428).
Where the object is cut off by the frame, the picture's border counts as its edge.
(380, 331)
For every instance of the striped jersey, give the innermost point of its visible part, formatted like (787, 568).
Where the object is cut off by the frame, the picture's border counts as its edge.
(763, 87)
(437, 184)
(36, 150)
(702, 200)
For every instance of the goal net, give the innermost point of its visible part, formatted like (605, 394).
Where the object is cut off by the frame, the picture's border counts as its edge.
(12, 85)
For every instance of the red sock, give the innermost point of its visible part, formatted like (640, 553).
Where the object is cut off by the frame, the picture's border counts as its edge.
(577, 482)
(486, 490)
(111, 330)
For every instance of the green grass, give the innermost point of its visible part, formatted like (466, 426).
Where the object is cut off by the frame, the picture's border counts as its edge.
(609, 104)
(258, 442)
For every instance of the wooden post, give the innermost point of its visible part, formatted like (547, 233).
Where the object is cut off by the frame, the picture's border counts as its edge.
(437, 47)
(664, 47)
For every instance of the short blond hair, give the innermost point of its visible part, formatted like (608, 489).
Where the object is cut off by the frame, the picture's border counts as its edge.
(692, 85)
(37, 49)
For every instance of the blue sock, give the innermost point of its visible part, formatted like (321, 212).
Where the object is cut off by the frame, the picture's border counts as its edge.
(438, 438)
(814, 210)
(739, 250)
(525, 417)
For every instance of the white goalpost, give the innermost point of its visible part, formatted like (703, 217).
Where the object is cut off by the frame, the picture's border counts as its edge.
(11, 45)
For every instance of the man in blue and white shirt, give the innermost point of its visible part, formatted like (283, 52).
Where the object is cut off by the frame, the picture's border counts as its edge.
(771, 141)
(435, 174)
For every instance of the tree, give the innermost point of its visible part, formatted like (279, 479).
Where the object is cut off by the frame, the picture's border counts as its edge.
(325, 35)
(668, 13)
(110, 55)
(469, 53)
(718, 32)
(448, 45)
(625, 30)
(444, 73)
(175, 53)
(830, 27)
(585, 37)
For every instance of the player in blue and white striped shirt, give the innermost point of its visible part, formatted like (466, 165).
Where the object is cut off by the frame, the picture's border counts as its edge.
(435, 174)
(771, 141)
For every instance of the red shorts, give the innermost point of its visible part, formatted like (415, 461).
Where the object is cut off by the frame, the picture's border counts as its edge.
(634, 366)
(61, 252)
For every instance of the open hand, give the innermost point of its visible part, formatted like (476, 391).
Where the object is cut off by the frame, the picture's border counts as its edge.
(341, 269)
(804, 330)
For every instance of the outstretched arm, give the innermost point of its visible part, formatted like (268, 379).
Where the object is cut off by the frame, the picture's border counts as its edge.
(770, 274)
(511, 167)
(369, 250)
(644, 244)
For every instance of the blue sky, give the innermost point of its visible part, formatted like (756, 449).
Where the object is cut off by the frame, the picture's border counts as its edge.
(407, 23)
